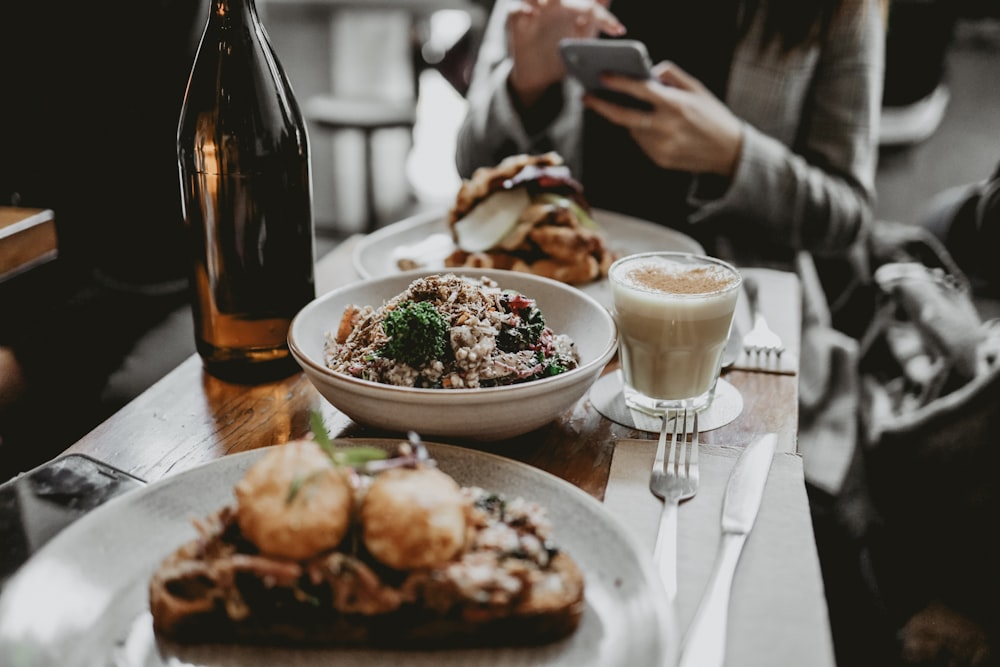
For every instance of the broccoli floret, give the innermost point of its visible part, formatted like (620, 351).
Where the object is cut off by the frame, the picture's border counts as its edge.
(417, 333)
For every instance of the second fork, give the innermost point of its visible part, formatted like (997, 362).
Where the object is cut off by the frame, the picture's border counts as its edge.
(761, 339)
(674, 478)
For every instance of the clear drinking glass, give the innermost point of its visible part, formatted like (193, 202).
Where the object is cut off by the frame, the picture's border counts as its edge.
(674, 311)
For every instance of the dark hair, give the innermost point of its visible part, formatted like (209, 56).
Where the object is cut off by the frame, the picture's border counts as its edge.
(792, 23)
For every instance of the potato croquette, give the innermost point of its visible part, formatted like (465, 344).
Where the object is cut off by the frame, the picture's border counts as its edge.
(414, 518)
(294, 502)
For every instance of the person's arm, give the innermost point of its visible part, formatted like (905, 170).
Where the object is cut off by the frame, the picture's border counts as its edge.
(493, 129)
(526, 105)
(806, 170)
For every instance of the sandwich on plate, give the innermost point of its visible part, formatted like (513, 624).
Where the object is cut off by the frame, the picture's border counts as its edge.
(327, 545)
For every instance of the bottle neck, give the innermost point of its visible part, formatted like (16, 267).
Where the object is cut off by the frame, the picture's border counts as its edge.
(235, 11)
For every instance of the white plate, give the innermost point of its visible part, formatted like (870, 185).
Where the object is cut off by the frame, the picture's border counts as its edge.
(82, 599)
(374, 255)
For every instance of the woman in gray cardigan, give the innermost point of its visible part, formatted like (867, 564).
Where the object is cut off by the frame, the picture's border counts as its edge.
(762, 144)
(763, 136)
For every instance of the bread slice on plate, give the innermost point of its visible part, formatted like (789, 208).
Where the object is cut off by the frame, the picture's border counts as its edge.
(392, 553)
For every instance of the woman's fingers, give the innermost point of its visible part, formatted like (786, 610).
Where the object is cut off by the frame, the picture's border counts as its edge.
(553, 19)
(522, 8)
(586, 17)
(687, 127)
(534, 29)
(669, 74)
(607, 22)
(645, 90)
(633, 119)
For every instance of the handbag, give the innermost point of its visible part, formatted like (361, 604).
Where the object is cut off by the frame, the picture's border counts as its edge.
(916, 508)
(929, 448)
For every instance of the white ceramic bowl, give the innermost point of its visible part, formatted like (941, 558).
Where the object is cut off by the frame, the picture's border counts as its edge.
(493, 413)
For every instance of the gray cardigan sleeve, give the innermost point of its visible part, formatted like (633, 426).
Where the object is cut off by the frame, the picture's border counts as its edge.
(806, 173)
(492, 129)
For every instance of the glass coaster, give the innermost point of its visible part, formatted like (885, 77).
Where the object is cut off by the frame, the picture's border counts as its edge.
(606, 396)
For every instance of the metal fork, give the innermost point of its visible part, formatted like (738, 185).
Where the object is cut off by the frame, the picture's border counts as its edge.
(674, 478)
(760, 340)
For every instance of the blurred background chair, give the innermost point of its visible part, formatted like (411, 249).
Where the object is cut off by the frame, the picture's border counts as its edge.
(916, 93)
(358, 69)
(367, 117)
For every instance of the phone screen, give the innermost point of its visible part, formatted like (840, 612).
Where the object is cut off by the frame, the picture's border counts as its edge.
(38, 504)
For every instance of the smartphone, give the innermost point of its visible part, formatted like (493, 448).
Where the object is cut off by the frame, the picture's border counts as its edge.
(587, 59)
(36, 505)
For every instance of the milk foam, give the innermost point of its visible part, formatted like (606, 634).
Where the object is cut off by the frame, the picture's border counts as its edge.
(673, 320)
(692, 290)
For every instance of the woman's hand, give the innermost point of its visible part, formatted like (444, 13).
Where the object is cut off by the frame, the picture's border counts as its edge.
(534, 28)
(688, 129)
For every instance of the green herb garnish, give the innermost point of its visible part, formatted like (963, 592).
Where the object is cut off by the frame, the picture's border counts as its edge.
(341, 456)
(299, 483)
(417, 331)
(320, 434)
(356, 457)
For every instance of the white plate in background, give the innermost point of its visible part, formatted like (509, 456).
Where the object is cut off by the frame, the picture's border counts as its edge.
(375, 254)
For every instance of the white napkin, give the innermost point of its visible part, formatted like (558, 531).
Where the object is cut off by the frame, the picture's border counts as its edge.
(778, 614)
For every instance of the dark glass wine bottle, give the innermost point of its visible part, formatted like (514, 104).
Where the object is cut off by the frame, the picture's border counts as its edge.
(246, 190)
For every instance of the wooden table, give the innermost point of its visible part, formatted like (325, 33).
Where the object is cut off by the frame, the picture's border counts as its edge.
(778, 613)
(190, 417)
(27, 239)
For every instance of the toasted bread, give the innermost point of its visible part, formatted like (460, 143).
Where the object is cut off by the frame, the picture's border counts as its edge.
(488, 180)
(502, 583)
(527, 214)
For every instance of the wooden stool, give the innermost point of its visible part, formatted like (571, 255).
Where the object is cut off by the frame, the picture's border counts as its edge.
(367, 116)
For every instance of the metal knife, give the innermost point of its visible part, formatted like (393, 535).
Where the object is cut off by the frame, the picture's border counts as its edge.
(705, 643)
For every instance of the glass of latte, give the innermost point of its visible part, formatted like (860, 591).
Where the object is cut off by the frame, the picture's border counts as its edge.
(674, 311)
